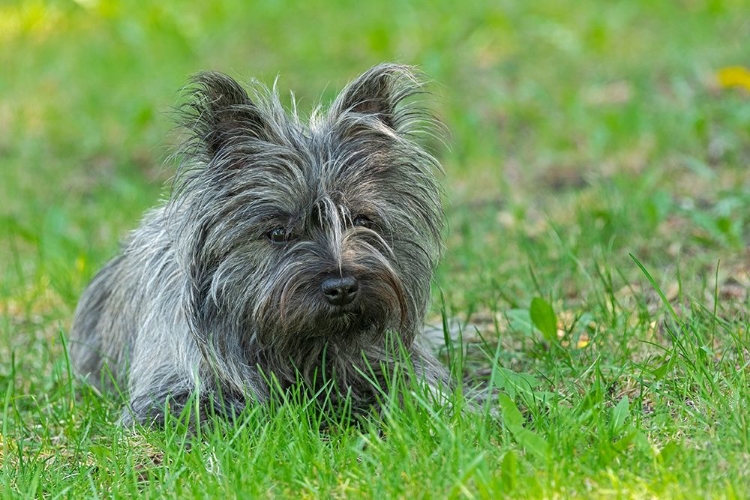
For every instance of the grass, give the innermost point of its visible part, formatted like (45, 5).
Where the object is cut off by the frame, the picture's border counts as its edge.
(596, 265)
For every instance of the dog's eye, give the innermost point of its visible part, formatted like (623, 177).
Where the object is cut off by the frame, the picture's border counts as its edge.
(363, 221)
(278, 235)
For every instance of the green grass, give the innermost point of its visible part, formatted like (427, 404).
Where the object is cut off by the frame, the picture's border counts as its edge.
(594, 164)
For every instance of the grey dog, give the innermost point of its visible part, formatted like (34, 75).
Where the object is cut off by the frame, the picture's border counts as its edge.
(290, 252)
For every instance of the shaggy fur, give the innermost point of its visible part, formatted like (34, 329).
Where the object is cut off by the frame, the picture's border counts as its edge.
(288, 252)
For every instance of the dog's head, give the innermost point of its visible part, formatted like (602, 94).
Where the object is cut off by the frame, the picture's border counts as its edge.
(296, 234)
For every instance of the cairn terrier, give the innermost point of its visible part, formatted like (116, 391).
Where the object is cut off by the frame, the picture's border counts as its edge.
(290, 252)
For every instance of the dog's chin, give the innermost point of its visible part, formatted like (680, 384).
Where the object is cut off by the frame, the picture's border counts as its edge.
(350, 325)
(345, 323)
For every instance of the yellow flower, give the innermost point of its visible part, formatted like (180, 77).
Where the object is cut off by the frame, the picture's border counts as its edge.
(734, 76)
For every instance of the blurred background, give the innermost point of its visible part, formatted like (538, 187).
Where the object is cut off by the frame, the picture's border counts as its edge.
(579, 132)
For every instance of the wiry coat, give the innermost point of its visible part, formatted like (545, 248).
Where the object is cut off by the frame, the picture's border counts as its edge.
(220, 289)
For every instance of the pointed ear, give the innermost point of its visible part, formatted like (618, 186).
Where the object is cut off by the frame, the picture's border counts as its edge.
(219, 112)
(378, 93)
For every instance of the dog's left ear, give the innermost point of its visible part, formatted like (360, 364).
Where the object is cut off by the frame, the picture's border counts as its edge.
(378, 93)
(219, 114)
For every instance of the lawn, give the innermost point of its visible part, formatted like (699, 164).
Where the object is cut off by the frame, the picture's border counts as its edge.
(596, 272)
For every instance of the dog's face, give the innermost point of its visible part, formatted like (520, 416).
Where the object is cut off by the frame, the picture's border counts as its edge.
(295, 234)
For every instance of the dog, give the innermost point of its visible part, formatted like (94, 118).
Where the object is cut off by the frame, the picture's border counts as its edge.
(290, 252)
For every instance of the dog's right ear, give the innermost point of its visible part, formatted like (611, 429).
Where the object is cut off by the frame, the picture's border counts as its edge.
(220, 113)
(379, 93)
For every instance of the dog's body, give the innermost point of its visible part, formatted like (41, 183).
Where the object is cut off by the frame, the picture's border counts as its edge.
(288, 251)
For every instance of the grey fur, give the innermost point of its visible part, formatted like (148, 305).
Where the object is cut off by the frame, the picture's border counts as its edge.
(201, 300)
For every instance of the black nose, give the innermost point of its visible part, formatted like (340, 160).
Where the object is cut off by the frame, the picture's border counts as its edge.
(340, 291)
